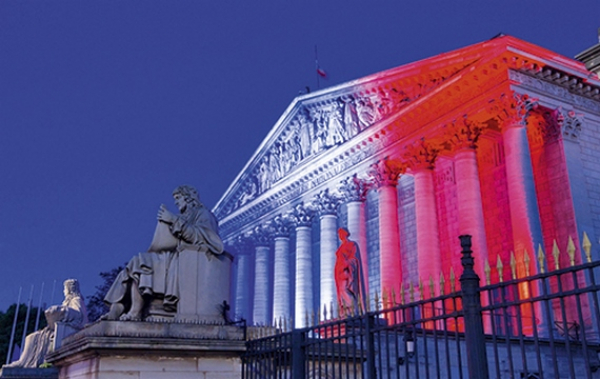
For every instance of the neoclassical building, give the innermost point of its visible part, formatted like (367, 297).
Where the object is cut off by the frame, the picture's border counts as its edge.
(499, 140)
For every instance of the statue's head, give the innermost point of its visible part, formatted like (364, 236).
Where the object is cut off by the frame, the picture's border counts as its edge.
(189, 194)
(71, 287)
(343, 233)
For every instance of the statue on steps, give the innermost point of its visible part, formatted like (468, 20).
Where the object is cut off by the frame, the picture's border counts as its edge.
(154, 274)
(72, 314)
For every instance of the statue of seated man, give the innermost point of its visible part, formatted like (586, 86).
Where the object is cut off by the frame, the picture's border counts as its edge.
(71, 312)
(154, 274)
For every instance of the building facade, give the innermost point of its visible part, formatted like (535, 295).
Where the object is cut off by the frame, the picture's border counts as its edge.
(499, 140)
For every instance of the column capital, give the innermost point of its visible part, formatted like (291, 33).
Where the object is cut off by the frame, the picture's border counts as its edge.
(353, 188)
(301, 215)
(260, 236)
(386, 172)
(280, 225)
(327, 202)
(512, 108)
(464, 133)
(570, 123)
(422, 154)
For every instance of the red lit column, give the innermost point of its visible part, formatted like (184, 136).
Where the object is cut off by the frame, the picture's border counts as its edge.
(468, 189)
(386, 173)
(303, 300)
(354, 191)
(327, 205)
(524, 213)
(260, 313)
(421, 158)
(281, 271)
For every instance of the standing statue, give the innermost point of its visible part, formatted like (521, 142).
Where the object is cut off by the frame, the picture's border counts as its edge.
(71, 313)
(154, 274)
(347, 275)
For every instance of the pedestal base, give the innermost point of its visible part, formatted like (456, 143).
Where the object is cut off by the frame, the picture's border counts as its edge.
(28, 373)
(115, 349)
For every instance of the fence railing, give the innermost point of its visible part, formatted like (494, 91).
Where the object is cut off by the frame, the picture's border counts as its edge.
(536, 326)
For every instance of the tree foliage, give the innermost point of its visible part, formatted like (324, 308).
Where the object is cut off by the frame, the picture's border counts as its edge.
(95, 305)
(6, 323)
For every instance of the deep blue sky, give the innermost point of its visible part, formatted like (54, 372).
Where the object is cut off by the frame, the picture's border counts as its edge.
(106, 106)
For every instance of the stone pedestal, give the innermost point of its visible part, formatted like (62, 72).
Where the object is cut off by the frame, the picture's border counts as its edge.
(127, 349)
(28, 373)
(203, 285)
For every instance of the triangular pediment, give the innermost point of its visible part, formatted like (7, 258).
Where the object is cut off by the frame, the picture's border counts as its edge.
(315, 123)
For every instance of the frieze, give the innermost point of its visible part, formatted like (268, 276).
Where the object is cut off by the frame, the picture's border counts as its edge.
(555, 90)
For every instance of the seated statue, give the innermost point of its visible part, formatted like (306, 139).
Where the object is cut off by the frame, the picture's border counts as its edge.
(71, 312)
(154, 274)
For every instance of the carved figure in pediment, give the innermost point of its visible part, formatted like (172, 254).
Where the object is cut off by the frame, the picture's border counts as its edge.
(274, 165)
(335, 129)
(320, 140)
(305, 133)
(366, 113)
(287, 158)
(263, 175)
(249, 192)
(350, 119)
(294, 145)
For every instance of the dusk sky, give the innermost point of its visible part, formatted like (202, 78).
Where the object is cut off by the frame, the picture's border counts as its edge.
(107, 106)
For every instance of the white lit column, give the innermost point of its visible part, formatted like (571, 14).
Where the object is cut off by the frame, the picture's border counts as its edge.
(243, 282)
(281, 271)
(327, 205)
(260, 314)
(304, 281)
(354, 192)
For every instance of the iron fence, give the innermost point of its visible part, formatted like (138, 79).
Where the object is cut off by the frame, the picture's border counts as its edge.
(536, 326)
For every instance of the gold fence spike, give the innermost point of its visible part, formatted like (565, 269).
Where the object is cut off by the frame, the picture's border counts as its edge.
(513, 265)
(431, 287)
(499, 267)
(394, 303)
(411, 292)
(452, 280)
(556, 255)
(402, 293)
(526, 261)
(587, 247)
(421, 290)
(306, 318)
(571, 251)
(442, 284)
(487, 270)
(368, 305)
(384, 300)
(541, 259)
(376, 301)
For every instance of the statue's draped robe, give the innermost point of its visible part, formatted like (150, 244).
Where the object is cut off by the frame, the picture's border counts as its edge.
(347, 276)
(156, 272)
(37, 344)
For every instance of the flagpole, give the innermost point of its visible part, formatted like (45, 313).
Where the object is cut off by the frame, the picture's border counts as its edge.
(317, 67)
(29, 302)
(12, 333)
(37, 317)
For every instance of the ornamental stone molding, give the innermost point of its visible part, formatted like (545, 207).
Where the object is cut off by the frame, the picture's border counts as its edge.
(511, 108)
(353, 188)
(387, 171)
(260, 236)
(571, 125)
(327, 202)
(464, 133)
(301, 215)
(422, 154)
(281, 226)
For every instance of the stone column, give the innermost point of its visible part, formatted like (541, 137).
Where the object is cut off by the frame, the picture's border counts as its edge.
(327, 204)
(303, 299)
(354, 192)
(243, 285)
(421, 158)
(524, 212)
(260, 313)
(281, 271)
(470, 207)
(386, 173)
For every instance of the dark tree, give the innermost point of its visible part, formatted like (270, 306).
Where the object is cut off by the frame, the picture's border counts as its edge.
(6, 322)
(95, 305)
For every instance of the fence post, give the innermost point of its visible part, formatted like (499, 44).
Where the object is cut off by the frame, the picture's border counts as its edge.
(474, 337)
(369, 319)
(299, 353)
